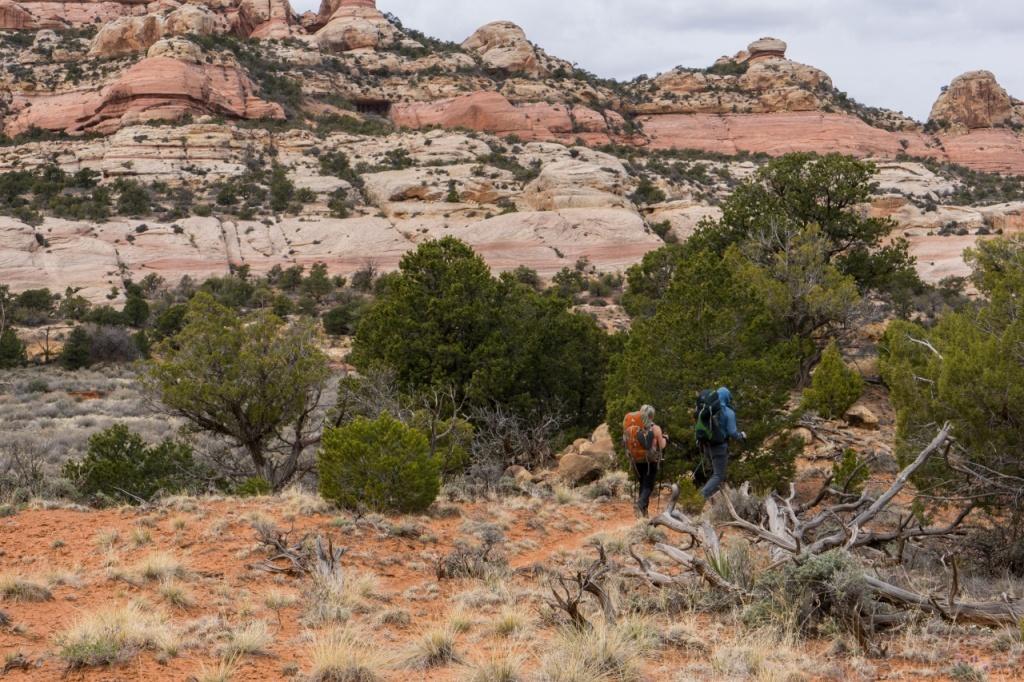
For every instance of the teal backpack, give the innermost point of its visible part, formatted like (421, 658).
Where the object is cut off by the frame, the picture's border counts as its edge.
(708, 417)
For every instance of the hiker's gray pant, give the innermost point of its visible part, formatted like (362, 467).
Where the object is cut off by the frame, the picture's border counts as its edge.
(719, 460)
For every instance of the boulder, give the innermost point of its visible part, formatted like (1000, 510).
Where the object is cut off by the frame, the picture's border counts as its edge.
(579, 470)
(767, 47)
(600, 447)
(862, 417)
(519, 474)
(577, 183)
(267, 19)
(355, 25)
(503, 45)
(974, 100)
(129, 35)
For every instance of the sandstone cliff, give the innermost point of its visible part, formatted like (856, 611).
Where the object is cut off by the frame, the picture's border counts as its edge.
(492, 140)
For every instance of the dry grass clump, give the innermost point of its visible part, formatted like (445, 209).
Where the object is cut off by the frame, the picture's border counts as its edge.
(760, 657)
(335, 598)
(434, 649)
(459, 621)
(511, 622)
(275, 600)
(141, 537)
(106, 539)
(602, 653)
(16, 588)
(249, 639)
(302, 503)
(159, 566)
(344, 654)
(395, 617)
(115, 635)
(176, 594)
(505, 667)
(222, 672)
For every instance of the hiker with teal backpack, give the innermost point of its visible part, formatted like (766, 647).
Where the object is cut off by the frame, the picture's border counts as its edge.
(716, 424)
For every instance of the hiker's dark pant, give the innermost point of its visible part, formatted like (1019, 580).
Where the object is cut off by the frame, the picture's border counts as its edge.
(647, 476)
(719, 455)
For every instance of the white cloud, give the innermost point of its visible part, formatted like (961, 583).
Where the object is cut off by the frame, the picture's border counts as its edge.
(890, 53)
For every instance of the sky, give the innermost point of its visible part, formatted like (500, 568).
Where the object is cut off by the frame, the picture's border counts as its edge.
(895, 54)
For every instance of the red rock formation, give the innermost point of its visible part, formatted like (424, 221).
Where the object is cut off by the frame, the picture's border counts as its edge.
(30, 14)
(163, 86)
(264, 19)
(14, 17)
(973, 100)
(994, 150)
(491, 112)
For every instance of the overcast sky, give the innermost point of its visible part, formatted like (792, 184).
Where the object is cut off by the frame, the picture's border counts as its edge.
(890, 53)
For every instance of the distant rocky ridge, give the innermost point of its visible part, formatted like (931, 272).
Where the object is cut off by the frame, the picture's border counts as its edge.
(188, 93)
(496, 81)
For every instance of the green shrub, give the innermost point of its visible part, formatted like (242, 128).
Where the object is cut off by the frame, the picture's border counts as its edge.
(77, 352)
(255, 486)
(119, 460)
(835, 387)
(380, 464)
(851, 472)
(12, 350)
(813, 597)
(648, 193)
(341, 319)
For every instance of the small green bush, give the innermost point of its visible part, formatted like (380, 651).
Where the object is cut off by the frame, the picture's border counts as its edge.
(835, 387)
(341, 319)
(380, 464)
(77, 352)
(256, 486)
(817, 595)
(119, 460)
(851, 472)
(12, 350)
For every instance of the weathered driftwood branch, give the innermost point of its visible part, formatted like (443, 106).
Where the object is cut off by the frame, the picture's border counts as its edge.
(792, 537)
(568, 593)
(703, 536)
(322, 559)
(997, 613)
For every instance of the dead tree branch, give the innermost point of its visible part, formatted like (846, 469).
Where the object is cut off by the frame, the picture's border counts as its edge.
(568, 593)
(845, 525)
(319, 559)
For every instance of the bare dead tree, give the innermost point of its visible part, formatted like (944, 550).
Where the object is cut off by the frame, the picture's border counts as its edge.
(797, 533)
(568, 592)
(504, 438)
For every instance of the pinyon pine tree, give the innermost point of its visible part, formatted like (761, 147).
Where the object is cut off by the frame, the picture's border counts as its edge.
(835, 387)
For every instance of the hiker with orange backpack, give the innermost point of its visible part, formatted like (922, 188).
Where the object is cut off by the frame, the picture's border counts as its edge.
(644, 442)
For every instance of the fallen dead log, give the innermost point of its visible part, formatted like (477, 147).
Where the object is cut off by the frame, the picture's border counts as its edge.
(1009, 612)
(794, 535)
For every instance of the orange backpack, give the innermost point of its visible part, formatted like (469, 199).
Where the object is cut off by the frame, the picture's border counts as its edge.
(637, 438)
